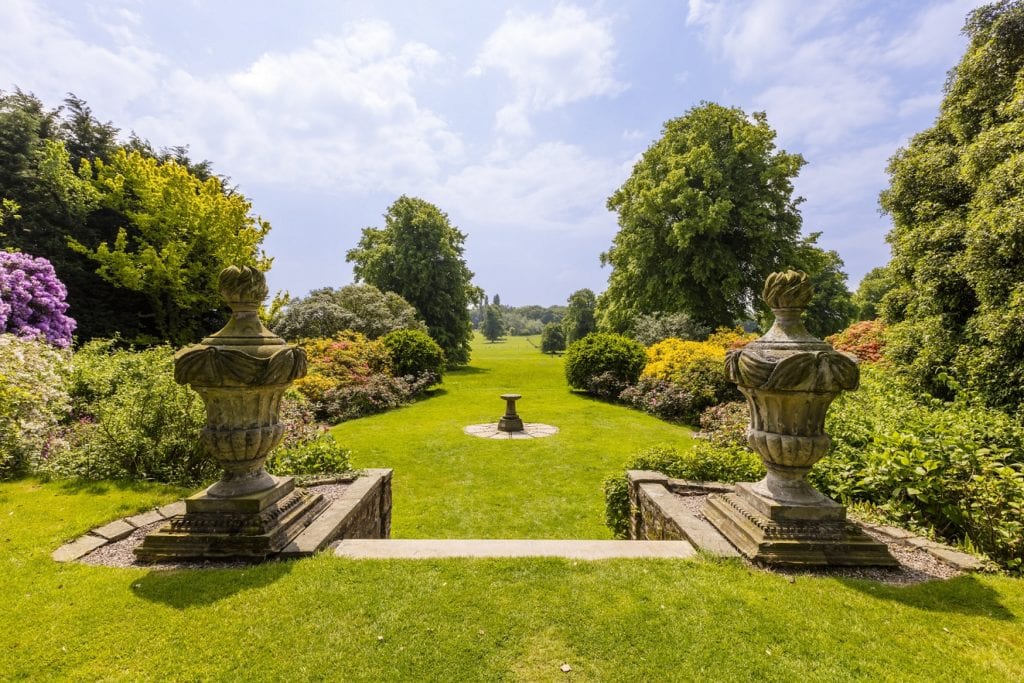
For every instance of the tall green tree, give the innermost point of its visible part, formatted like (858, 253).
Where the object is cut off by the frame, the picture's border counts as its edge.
(956, 197)
(580, 320)
(418, 254)
(494, 326)
(47, 168)
(175, 234)
(706, 215)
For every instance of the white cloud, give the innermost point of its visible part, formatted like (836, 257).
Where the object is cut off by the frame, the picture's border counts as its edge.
(340, 112)
(551, 60)
(60, 60)
(842, 180)
(822, 72)
(550, 187)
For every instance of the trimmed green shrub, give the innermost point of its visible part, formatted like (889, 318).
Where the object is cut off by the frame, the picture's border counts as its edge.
(414, 353)
(596, 354)
(33, 401)
(701, 462)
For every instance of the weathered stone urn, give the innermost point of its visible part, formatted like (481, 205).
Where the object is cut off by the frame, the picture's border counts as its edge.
(241, 373)
(789, 379)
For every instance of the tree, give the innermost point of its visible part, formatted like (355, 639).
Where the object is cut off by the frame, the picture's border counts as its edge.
(552, 339)
(494, 328)
(42, 172)
(652, 328)
(175, 234)
(418, 255)
(956, 197)
(579, 320)
(872, 289)
(360, 308)
(706, 215)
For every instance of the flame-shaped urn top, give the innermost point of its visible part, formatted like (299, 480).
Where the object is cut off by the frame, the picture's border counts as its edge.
(788, 357)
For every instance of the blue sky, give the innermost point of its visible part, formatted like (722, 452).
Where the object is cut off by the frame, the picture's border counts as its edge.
(517, 119)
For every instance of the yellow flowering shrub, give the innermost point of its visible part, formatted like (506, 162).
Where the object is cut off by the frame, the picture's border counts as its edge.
(733, 338)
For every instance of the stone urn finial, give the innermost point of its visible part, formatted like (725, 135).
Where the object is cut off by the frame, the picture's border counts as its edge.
(789, 378)
(241, 373)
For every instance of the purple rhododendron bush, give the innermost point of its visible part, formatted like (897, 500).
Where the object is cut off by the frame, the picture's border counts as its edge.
(32, 299)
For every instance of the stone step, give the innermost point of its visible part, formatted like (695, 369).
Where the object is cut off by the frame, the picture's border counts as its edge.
(422, 549)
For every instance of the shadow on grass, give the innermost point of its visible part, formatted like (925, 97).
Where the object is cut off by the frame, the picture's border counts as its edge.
(181, 589)
(961, 595)
(468, 370)
(74, 487)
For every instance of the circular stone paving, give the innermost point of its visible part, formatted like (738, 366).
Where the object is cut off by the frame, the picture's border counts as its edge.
(531, 430)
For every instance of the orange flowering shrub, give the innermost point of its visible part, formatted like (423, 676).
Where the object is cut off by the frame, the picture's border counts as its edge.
(864, 339)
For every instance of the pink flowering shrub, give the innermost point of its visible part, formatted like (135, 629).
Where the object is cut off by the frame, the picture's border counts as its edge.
(32, 299)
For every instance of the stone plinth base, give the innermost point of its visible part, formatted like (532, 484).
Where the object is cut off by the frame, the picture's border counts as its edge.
(250, 527)
(510, 424)
(798, 535)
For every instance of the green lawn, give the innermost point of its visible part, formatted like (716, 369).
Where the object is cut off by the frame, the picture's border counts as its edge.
(451, 485)
(478, 620)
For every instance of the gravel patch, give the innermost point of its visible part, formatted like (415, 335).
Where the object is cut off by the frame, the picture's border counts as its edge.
(122, 553)
(915, 565)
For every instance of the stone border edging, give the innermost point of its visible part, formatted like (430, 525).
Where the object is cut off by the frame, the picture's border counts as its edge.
(114, 531)
(656, 512)
(354, 512)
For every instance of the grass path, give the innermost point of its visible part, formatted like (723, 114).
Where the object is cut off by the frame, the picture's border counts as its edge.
(451, 485)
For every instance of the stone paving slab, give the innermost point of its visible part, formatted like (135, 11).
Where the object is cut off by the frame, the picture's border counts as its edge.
(172, 510)
(77, 548)
(116, 530)
(145, 518)
(366, 548)
(531, 430)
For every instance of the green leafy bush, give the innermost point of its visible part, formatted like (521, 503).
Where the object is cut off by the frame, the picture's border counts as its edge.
(132, 420)
(701, 462)
(360, 308)
(323, 455)
(659, 397)
(33, 401)
(956, 469)
(413, 353)
(601, 353)
(696, 368)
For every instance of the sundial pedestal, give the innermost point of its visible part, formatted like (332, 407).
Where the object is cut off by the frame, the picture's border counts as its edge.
(510, 421)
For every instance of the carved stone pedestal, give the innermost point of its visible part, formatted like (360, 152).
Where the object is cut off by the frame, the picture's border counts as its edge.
(768, 531)
(510, 421)
(252, 526)
(789, 379)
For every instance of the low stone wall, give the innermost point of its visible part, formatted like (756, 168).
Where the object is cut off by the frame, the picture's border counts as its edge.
(362, 511)
(659, 513)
